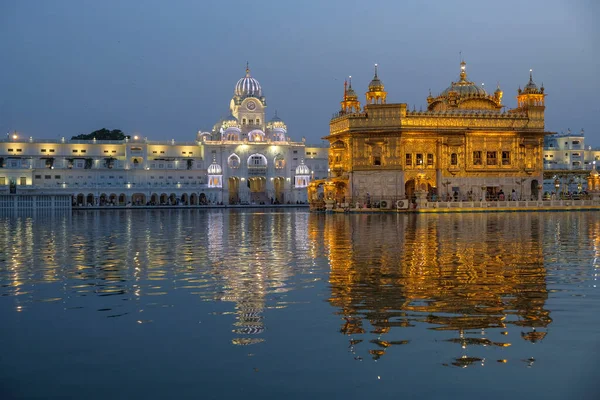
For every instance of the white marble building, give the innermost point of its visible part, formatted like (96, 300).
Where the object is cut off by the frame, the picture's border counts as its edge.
(244, 160)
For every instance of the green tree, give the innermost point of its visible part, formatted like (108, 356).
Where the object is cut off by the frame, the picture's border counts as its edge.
(102, 134)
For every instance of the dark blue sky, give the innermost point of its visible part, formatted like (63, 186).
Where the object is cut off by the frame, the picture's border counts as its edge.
(168, 69)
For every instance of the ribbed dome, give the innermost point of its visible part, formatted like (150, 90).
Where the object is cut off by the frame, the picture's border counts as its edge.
(302, 169)
(248, 86)
(531, 86)
(376, 85)
(214, 169)
(350, 93)
(464, 87)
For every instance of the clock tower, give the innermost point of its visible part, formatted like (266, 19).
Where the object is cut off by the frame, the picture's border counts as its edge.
(248, 104)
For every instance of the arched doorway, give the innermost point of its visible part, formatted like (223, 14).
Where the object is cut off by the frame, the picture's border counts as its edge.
(184, 199)
(154, 200)
(80, 200)
(90, 199)
(103, 199)
(194, 199)
(138, 199)
(163, 198)
(234, 190)
(203, 200)
(122, 199)
(279, 184)
(258, 188)
(172, 199)
(112, 199)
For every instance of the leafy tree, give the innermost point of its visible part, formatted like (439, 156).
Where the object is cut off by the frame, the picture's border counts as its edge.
(102, 134)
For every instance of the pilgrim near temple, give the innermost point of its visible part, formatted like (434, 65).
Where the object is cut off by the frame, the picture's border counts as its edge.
(463, 146)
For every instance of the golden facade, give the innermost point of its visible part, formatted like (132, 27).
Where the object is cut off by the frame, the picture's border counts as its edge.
(463, 144)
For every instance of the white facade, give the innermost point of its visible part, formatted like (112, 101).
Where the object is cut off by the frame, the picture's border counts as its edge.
(244, 160)
(567, 151)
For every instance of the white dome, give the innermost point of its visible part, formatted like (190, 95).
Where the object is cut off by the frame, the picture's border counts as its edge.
(302, 169)
(248, 86)
(215, 169)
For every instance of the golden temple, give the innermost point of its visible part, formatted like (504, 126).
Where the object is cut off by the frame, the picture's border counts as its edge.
(464, 145)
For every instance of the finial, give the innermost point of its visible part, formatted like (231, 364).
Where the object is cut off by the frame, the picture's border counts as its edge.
(430, 93)
(275, 113)
(530, 75)
(463, 71)
(375, 70)
(350, 82)
(247, 69)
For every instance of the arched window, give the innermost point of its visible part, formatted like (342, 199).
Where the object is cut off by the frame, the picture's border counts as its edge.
(256, 136)
(279, 161)
(233, 161)
(257, 161)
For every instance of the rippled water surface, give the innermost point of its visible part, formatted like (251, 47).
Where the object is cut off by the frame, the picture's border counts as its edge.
(280, 305)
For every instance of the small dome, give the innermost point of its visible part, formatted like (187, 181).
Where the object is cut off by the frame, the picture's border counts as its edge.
(531, 86)
(248, 86)
(594, 172)
(464, 87)
(376, 85)
(214, 168)
(302, 169)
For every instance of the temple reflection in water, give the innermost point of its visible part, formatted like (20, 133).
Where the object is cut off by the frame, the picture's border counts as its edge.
(466, 273)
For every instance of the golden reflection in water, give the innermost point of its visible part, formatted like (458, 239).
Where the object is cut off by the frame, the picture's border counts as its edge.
(459, 272)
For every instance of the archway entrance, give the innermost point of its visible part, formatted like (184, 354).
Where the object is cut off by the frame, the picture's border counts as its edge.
(163, 198)
(80, 200)
(258, 187)
(203, 200)
(154, 199)
(184, 199)
(194, 199)
(122, 199)
(234, 190)
(138, 199)
(90, 199)
(279, 184)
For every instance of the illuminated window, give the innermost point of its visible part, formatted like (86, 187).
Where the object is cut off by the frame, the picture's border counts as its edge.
(477, 158)
(491, 158)
(408, 160)
(506, 158)
(419, 159)
(23, 181)
(430, 159)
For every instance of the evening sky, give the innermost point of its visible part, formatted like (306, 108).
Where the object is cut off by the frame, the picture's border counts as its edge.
(167, 69)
